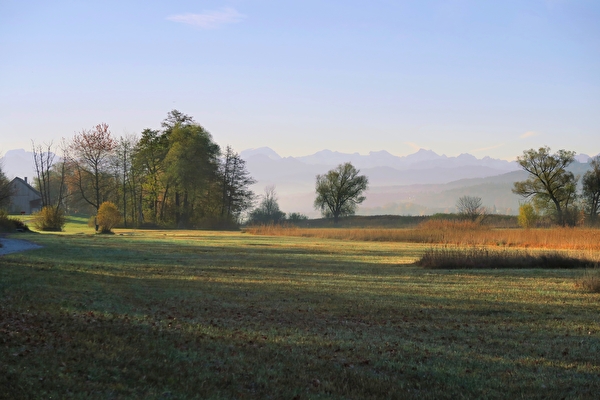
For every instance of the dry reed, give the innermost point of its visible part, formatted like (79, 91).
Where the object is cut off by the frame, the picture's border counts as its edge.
(459, 233)
(485, 258)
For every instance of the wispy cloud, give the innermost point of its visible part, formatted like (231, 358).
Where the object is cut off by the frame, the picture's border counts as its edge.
(529, 134)
(487, 148)
(413, 145)
(209, 19)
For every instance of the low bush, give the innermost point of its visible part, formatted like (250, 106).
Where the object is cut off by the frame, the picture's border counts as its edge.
(527, 216)
(108, 217)
(49, 219)
(11, 224)
(483, 258)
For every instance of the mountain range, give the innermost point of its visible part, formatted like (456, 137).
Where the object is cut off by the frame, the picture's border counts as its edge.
(420, 183)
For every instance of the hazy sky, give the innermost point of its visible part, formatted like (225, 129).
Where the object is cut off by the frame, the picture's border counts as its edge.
(484, 77)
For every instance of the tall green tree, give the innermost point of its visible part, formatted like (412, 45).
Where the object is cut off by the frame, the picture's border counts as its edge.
(235, 182)
(591, 190)
(549, 182)
(191, 165)
(148, 160)
(339, 191)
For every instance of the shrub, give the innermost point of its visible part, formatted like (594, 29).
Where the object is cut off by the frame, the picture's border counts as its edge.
(527, 216)
(297, 217)
(11, 224)
(49, 219)
(108, 217)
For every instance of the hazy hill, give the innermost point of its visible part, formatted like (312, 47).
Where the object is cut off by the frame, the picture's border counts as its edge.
(18, 163)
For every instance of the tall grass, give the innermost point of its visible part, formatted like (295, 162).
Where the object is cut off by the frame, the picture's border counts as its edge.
(485, 258)
(460, 233)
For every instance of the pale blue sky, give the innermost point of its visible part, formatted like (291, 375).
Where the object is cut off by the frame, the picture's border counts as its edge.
(484, 77)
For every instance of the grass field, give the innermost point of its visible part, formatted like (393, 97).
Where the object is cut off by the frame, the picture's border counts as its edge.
(188, 314)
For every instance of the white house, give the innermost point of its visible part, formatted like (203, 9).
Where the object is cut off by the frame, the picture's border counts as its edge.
(24, 198)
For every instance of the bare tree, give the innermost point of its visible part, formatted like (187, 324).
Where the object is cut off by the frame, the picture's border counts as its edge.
(43, 160)
(470, 207)
(50, 180)
(268, 210)
(125, 174)
(91, 154)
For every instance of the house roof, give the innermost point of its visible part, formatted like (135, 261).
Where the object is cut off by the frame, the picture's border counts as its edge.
(27, 185)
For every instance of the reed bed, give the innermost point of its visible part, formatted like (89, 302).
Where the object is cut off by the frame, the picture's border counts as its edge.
(486, 258)
(459, 233)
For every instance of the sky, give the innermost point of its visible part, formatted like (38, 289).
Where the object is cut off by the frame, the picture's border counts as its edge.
(490, 78)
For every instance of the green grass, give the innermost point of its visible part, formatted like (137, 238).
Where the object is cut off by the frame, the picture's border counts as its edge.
(75, 224)
(171, 314)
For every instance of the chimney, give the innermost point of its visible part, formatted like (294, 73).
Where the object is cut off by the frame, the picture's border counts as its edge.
(25, 179)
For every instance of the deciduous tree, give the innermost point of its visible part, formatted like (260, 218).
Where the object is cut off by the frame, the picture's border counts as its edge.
(43, 160)
(50, 180)
(591, 190)
(91, 155)
(191, 164)
(339, 191)
(470, 207)
(549, 182)
(148, 160)
(268, 211)
(527, 216)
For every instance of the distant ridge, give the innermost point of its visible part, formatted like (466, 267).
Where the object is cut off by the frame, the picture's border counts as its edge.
(422, 159)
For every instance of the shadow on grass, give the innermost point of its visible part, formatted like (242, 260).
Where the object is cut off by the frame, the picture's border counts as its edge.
(111, 355)
(183, 320)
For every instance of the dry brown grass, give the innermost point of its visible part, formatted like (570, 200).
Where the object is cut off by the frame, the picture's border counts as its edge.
(460, 233)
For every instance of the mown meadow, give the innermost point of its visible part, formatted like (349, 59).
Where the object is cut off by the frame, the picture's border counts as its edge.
(196, 314)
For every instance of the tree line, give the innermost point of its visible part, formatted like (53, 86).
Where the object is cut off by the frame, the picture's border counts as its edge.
(550, 191)
(175, 176)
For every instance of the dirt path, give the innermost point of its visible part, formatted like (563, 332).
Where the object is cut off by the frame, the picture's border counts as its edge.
(16, 245)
